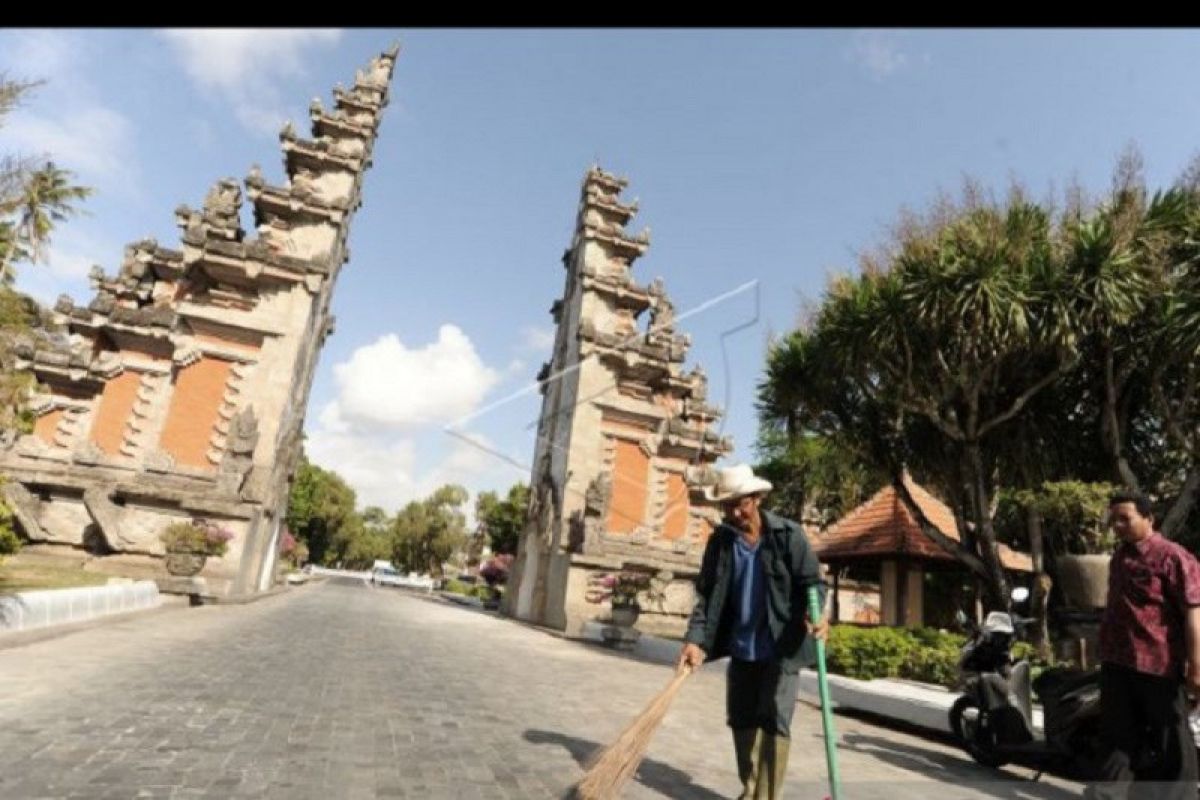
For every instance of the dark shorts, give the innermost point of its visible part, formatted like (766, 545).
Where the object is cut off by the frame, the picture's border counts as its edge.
(760, 695)
(1144, 724)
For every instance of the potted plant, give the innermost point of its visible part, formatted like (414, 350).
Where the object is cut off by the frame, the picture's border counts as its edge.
(1075, 524)
(189, 544)
(625, 588)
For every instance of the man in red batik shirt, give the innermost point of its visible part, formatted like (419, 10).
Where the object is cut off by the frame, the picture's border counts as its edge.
(1150, 660)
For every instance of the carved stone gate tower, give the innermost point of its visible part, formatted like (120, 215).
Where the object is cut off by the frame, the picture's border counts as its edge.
(180, 390)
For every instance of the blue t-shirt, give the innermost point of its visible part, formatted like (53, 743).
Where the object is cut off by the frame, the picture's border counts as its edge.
(751, 636)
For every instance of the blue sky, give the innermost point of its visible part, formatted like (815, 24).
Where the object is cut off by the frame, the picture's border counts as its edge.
(771, 157)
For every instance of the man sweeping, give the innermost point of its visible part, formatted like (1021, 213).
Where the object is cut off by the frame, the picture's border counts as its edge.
(751, 600)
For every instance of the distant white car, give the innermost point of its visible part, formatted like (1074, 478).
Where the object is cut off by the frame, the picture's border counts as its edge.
(418, 581)
(386, 576)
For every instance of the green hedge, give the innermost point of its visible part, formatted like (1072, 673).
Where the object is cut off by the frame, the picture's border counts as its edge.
(920, 654)
(9, 541)
(470, 590)
(458, 587)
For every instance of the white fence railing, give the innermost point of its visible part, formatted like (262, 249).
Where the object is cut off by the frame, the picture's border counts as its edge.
(45, 607)
(410, 581)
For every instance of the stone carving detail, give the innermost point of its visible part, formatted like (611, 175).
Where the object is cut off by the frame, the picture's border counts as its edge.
(107, 516)
(598, 495)
(159, 461)
(30, 445)
(256, 485)
(275, 235)
(595, 512)
(699, 385)
(304, 184)
(375, 75)
(240, 443)
(662, 314)
(107, 365)
(577, 539)
(186, 354)
(222, 205)
(139, 418)
(88, 453)
(26, 509)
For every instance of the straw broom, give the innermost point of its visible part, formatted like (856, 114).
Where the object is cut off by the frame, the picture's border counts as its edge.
(608, 772)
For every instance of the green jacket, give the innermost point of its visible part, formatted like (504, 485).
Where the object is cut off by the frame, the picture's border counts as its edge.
(790, 568)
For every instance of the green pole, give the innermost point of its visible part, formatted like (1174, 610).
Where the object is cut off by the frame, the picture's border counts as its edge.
(835, 783)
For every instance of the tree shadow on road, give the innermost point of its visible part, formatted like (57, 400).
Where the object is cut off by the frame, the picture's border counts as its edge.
(950, 770)
(656, 775)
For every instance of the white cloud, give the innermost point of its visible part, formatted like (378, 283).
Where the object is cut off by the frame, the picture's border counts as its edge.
(74, 249)
(382, 432)
(470, 464)
(73, 252)
(93, 141)
(42, 54)
(386, 385)
(534, 338)
(65, 118)
(382, 473)
(878, 52)
(388, 470)
(247, 67)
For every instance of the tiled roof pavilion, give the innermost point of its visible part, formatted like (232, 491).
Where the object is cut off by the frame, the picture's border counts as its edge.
(882, 531)
(883, 527)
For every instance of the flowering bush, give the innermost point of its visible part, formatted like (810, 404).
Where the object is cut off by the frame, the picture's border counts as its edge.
(287, 543)
(198, 536)
(621, 588)
(495, 570)
(291, 549)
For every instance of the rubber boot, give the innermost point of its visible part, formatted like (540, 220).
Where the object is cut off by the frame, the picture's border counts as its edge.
(773, 762)
(747, 743)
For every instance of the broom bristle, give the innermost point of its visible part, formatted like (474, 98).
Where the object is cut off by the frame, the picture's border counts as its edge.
(609, 771)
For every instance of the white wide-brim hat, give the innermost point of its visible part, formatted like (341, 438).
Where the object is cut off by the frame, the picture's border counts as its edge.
(736, 481)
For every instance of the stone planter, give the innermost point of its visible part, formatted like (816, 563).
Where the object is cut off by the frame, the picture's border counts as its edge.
(625, 616)
(185, 565)
(1083, 580)
(620, 633)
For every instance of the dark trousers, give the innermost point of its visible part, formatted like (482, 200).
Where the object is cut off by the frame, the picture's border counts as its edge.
(1145, 730)
(758, 694)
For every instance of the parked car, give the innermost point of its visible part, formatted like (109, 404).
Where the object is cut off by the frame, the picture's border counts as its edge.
(387, 576)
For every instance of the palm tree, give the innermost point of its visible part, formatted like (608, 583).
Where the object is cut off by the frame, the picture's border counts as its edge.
(47, 198)
(1175, 381)
(956, 334)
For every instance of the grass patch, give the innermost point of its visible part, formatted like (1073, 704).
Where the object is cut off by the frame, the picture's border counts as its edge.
(22, 574)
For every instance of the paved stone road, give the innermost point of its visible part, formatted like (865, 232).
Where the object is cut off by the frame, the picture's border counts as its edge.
(344, 691)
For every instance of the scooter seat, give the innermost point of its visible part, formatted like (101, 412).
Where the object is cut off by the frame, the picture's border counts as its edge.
(1060, 681)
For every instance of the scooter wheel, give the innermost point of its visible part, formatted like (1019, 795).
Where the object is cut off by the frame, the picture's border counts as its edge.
(969, 724)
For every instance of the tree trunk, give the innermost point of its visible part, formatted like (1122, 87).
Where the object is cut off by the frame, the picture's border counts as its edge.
(1172, 524)
(1112, 433)
(1040, 637)
(996, 583)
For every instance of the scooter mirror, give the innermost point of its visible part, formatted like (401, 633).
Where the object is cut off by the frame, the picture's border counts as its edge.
(1020, 594)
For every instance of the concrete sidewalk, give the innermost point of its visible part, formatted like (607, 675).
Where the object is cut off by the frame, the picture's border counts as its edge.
(912, 703)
